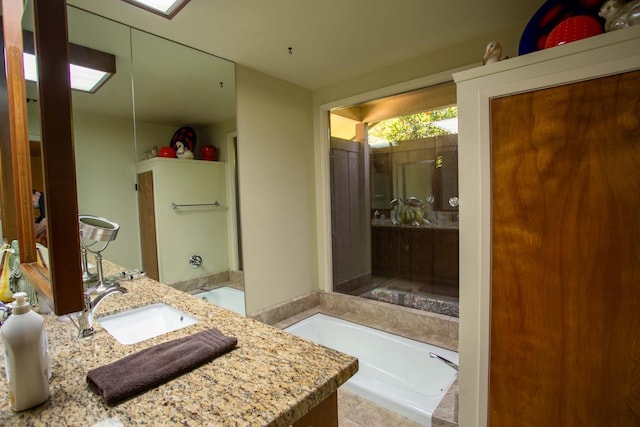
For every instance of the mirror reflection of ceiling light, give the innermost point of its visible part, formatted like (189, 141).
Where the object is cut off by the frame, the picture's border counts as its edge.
(82, 78)
(166, 8)
(89, 68)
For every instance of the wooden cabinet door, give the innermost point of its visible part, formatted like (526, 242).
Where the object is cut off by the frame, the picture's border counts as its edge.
(565, 291)
(445, 257)
(147, 218)
(421, 254)
(384, 251)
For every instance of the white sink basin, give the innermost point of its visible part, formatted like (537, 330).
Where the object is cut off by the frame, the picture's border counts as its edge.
(146, 322)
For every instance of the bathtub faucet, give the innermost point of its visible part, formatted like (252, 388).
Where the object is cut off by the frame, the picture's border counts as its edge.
(442, 359)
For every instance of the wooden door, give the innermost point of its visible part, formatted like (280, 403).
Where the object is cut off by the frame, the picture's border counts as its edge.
(385, 251)
(446, 249)
(565, 291)
(421, 255)
(147, 214)
(350, 220)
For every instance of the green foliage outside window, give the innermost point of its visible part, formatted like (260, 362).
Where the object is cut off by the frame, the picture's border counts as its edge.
(415, 126)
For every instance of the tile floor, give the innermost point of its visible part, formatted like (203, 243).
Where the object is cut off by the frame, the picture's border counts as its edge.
(355, 411)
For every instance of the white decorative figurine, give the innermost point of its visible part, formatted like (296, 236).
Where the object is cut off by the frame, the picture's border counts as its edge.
(492, 53)
(620, 14)
(183, 152)
(151, 153)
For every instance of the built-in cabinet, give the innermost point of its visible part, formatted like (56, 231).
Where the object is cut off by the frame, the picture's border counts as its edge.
(183, 218)
(421, 254)
(549, 179)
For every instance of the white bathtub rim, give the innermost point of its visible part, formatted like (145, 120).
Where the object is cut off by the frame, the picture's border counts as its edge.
(235, 294)
(417, 406)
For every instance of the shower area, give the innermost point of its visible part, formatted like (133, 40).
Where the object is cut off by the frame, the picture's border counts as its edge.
(394, 204)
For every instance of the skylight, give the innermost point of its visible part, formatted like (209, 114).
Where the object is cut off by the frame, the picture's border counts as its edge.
(82, 78)
(166, 8)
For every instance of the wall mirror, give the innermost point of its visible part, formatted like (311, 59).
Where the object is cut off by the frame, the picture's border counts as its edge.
(177, 87)
(103, 130)
(60, 282)
(415, 179)
(157, 87)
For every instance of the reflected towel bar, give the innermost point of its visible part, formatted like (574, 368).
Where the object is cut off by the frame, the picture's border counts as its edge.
(216, 204)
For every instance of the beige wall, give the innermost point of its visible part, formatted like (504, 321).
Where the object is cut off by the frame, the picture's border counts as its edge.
(106, 180)
(149, 135)
(217, 136)
(283, 178)
(420, 72)
(282, 184)
(449, 58)
(105, 177)
(276, 179)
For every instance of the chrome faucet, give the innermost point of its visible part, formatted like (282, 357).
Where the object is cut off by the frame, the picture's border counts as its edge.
(442, 359)
(85, 317)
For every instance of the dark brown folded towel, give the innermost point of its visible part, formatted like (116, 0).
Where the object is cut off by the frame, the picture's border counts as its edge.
(157, 365)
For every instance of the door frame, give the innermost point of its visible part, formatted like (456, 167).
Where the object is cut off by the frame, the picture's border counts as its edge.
(600, 56)
(321, 158)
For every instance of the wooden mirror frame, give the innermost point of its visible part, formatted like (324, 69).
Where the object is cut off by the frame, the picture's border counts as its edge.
(62, 283)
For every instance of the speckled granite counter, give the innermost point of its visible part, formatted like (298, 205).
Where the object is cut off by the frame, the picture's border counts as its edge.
(271, 378)
(439, 226)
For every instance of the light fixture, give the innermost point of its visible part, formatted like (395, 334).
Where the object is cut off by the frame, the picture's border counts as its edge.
(89, 69)
(166, 8)
(82, 78)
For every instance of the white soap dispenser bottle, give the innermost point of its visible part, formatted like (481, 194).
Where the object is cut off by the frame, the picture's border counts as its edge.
(26, 355)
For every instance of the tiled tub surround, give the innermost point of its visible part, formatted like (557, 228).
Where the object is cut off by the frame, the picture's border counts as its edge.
(270, 379)
(431, 328)
(234, 279)
(395, 372)
(415, 324)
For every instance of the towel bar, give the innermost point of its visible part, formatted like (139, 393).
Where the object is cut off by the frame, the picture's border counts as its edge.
(215, 204)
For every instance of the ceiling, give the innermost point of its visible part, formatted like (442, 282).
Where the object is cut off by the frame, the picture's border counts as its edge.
(331, 41)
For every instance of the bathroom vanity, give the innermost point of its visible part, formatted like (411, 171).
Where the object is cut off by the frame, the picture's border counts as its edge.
(271, 378)
(421, 253)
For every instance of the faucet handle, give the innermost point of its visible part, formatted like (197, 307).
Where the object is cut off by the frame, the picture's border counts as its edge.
(195, 261)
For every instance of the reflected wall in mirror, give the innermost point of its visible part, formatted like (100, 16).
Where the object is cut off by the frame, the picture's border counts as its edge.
(416, 180)
(103, 134)
(174, 86)
(187, 207)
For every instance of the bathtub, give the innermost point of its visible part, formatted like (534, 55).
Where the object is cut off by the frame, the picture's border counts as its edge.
(395, 372)
(226, 296)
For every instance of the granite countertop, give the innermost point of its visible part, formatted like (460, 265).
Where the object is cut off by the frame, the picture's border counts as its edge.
(437, 226)
(271, 378)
